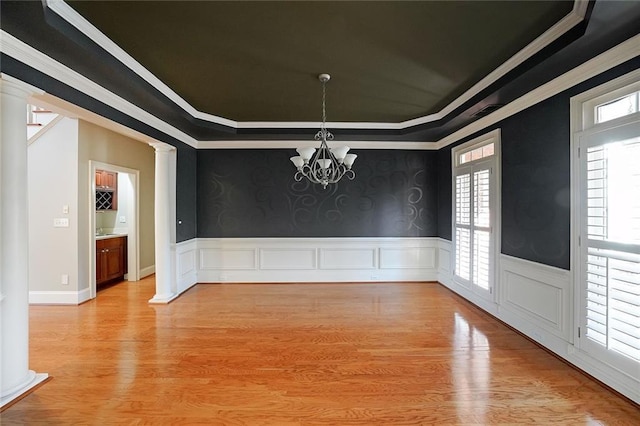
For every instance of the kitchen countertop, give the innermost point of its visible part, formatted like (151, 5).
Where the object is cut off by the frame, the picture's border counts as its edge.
(106, 236)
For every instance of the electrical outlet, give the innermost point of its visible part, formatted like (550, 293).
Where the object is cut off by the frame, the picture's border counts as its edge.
(61, 222)
(123, 219)
(64, 279)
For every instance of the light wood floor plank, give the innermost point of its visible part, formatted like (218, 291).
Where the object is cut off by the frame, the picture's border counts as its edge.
(298, 354)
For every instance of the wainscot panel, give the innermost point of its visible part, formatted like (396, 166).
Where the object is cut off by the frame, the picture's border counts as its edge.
(287, 259)
(407, 258)
(539, 293)
(317, 259)
(227, 258)
(186, 265)
(445, 266)
(351, 258)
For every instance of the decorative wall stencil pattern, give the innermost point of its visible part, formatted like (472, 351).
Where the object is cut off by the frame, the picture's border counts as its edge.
(244, 193)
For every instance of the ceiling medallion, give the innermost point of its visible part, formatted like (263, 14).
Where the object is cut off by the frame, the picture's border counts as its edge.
(328, 165)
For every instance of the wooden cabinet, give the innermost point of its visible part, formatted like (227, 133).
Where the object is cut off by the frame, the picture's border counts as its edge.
(106, 180)
(111, 259)
(106, 190)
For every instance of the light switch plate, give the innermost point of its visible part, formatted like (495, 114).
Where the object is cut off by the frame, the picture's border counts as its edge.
(123, 219)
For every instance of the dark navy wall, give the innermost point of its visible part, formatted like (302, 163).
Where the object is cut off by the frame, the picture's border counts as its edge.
(536, 172)
(536, 183)
(252, 193)
(186, 198)
(444, 193)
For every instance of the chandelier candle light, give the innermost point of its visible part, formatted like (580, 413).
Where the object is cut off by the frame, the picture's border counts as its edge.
(328, 165)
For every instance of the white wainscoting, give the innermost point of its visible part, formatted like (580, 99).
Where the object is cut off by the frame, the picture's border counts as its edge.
(287, 259)
(543, 295)
(316, 259)
(186, 265)
(445, 261)
(229, 258)
(349, 258)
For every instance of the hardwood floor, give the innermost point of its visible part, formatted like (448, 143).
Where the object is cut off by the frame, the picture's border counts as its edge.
(298, 354)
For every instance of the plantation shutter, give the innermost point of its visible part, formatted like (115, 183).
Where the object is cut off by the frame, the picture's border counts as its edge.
(473, 226)
(482, 230)
(611, 265)
(463, 226)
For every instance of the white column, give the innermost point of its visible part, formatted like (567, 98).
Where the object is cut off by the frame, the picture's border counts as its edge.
(165, 278)
(16, 378)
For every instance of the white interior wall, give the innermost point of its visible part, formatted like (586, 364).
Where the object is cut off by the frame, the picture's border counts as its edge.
(53, 177)
(59, 176)
(105, 146)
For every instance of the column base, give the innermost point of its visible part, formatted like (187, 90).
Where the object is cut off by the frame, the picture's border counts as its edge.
(163, 298)
(33, 380)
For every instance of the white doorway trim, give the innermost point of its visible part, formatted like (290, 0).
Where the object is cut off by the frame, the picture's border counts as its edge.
(133, 239)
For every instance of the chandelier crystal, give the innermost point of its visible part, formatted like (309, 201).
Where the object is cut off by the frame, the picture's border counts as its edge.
(324, 165)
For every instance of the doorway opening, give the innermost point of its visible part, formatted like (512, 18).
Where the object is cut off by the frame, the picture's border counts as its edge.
(113, 220)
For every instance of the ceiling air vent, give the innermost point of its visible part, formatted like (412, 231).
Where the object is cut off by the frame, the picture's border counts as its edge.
(487, 110)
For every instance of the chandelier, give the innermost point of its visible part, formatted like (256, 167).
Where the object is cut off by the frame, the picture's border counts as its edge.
(328, 165)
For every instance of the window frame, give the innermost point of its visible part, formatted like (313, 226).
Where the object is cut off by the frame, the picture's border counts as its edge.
(584, 130)
(495, 225)
(583, 106)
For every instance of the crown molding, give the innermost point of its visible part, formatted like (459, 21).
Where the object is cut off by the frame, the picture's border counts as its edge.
(68, 109)
(17, 85)
(26, 54)
(293, 144)
(572, 19)
(66, 12)
(615, 56)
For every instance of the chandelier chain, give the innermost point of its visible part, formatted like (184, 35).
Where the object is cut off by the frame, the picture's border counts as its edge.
(324, 111)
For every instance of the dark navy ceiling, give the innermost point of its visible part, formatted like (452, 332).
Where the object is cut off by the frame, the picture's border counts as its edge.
(258, 61)
(390, 92)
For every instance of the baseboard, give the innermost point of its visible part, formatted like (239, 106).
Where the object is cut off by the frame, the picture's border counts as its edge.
(187, 282)
(149, 270)
(58, 297)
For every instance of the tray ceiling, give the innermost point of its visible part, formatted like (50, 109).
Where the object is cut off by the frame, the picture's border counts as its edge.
(258, 61)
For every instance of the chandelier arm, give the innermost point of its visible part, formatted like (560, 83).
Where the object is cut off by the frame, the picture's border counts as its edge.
(350, 174)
